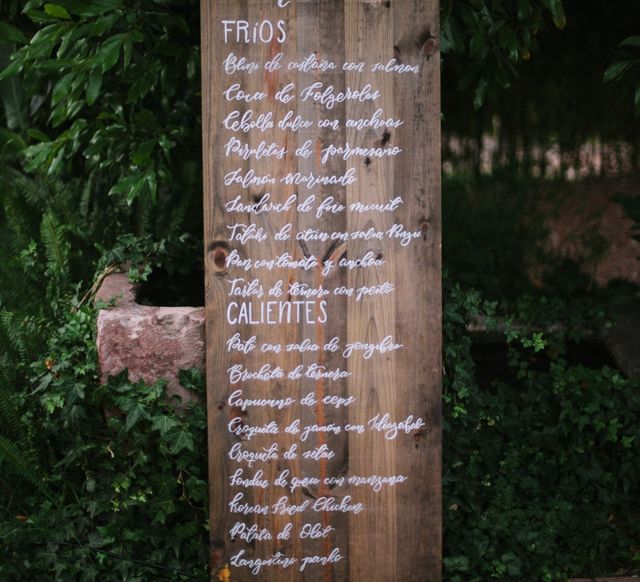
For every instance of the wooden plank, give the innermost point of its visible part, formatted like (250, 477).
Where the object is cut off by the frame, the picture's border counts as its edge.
(392, 305)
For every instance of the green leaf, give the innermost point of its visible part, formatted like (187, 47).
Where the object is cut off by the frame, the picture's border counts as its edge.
(127, 52)
(52, 233)
(637, 100)
(150, 187)
(20, 461)
(62, 89)
(524, 9)
(130, 186)
(457, 564)
(44, 40)
(143, 153)
(182, 439)
(559, 16)
(12, 97)
(43, 385)
(37, 135)
(103, 24)
(616, 70)
(631, 41)
(13, 69)
(10, 34)
(193, 380)
(57, 11)
(109, 52)
(134, 414)
(37, 155)
(93, 86)
(163, 424)
(557, 12)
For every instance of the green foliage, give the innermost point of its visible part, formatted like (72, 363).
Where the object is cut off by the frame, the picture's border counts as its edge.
(144, 254)
(625, 70)
(113, 88)
(126, 492)
(14, 459)
(557, 103)
(540, 461)
(494, 37)
(92, 478)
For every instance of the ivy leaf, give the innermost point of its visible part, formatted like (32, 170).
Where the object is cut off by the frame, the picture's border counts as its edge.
(457, 564)
(43, 384)
(134, 414)
(197, 489)
(163, 424)
(181, 439)
(57, 11)
(192, 380)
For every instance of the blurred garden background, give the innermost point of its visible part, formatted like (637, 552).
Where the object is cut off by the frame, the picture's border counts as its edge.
(100, 169)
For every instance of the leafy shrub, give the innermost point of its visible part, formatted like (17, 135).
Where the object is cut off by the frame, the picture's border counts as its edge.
(122, 492)
(102, 132)
(100, 137)
(541, 467)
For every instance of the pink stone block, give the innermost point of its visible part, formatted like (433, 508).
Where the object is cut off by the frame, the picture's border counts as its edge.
(151, 342)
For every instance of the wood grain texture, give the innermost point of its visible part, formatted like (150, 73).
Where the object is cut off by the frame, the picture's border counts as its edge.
(398, 536)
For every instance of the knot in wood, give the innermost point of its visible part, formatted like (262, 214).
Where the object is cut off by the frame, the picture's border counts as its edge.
(430, 47)
(424, 228)
(218, 254)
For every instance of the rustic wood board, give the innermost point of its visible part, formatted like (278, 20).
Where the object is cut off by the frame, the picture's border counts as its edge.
(397, 532)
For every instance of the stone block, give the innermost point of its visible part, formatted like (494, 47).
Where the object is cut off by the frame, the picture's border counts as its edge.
(151, 342)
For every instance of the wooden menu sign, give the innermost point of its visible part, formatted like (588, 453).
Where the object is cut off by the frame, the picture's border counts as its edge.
(321, 125)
